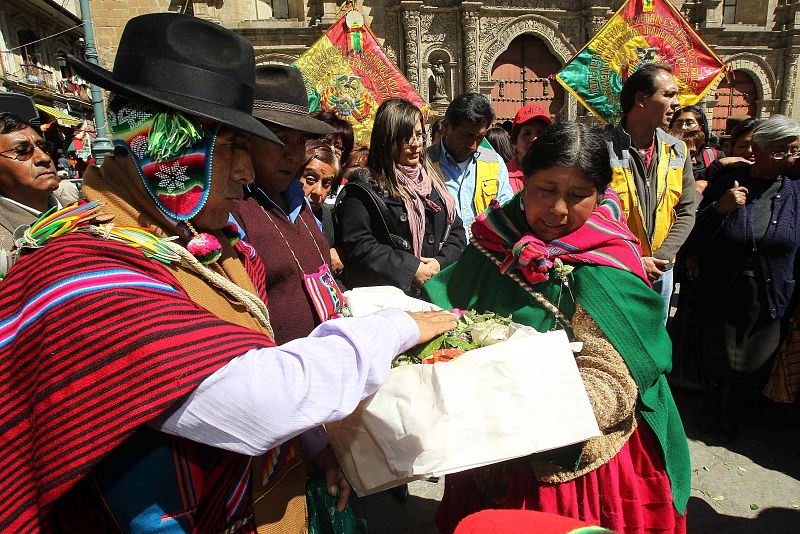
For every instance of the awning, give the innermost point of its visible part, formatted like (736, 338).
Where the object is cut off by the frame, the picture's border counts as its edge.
(64, 118)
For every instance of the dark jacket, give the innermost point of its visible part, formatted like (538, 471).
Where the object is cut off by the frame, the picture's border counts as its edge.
(369, 261)
(724, 244)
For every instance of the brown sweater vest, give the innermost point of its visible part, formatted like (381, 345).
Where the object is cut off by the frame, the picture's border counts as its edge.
(291, 312)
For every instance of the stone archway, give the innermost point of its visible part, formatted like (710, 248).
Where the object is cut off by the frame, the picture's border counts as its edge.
(540, 27)
(274, 57)
(762, 76)
(758, 69)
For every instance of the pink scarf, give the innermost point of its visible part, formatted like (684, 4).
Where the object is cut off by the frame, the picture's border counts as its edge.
(419, 185)
(604, 239)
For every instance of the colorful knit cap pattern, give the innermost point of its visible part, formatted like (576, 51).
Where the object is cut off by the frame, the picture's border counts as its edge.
(172, 152)
(604, 239)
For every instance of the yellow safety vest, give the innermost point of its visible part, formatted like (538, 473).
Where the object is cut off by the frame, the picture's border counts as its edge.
(669, 188)
(486, 183)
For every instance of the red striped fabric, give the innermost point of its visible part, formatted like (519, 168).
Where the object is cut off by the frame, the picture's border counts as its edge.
(82, 367)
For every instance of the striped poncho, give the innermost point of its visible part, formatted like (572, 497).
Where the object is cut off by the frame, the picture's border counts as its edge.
(95, 341)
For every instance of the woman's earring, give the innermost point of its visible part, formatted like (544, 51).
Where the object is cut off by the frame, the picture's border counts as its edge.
(522, 202)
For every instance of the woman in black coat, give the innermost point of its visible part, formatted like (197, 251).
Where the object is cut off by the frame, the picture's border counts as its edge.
(746, 239)
(396, 224)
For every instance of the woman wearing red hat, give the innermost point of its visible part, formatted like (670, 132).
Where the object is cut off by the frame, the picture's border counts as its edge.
(529, 122)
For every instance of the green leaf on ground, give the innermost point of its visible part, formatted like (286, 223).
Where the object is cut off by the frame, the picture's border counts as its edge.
(754, 506)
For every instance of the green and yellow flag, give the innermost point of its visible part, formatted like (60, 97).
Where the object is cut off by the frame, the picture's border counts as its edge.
(641, 31)
(347, 72)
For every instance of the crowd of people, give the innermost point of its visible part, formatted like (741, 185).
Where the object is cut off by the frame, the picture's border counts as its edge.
(175, 368)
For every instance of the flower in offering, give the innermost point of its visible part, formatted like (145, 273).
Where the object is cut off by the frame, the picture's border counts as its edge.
(473, 330)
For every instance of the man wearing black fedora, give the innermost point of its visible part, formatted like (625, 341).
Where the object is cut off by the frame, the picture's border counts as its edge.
(140, 386)
(276, 217)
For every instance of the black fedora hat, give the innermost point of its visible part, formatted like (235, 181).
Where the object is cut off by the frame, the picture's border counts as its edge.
(20, 105)
(185, 63)
(281, 99)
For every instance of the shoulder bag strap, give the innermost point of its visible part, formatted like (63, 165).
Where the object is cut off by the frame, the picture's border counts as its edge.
(378, 212)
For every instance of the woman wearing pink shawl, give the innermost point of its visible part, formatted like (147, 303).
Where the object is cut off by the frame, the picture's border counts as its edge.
(396, 224)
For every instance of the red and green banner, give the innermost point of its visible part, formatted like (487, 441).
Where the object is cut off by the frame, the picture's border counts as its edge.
(641, 31)
(346, 71)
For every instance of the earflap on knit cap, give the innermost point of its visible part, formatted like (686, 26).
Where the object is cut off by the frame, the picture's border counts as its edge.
(172, 151)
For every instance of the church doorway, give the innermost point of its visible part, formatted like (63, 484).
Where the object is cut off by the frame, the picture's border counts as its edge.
(520, 77)
(735, 101)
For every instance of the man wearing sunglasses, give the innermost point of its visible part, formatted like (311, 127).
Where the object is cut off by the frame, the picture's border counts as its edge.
(27, 176)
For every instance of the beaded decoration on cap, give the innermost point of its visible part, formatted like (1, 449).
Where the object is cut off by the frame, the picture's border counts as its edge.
(172, 152)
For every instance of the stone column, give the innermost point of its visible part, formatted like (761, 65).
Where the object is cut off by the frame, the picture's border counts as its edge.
(470, 36)
(596, 17)
(790, 59)
(411, 23)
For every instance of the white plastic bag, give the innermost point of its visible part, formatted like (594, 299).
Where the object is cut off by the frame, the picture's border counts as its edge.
(504, 401)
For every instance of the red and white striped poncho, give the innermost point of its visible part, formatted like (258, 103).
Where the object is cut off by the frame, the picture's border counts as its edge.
(95, 341)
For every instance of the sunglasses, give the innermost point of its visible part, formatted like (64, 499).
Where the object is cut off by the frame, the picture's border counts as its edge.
(24, 152)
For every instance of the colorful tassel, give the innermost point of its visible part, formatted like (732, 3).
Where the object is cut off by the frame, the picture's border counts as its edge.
(203, 246)
(82, 217)
(171, 134)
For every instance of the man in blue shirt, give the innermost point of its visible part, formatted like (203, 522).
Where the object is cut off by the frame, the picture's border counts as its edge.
(474, 174)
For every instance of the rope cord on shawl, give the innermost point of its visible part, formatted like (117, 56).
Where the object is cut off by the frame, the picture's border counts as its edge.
(252, 303)
(541, 299)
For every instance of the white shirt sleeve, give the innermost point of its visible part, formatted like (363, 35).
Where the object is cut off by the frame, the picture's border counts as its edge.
(270, 395)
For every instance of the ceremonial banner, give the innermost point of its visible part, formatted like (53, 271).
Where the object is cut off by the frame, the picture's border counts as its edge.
(642, 31)
(347, 72)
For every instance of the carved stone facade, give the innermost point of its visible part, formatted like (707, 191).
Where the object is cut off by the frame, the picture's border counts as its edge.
(468, 36)
(411, 23)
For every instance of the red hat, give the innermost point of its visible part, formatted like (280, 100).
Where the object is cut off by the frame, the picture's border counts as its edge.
(530, 112)
(511, 521)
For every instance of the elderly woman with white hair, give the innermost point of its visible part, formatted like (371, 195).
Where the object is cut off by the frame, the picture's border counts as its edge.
(746, 239)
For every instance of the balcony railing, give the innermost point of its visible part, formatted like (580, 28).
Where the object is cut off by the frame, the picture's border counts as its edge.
(77, 88)
(39, 76)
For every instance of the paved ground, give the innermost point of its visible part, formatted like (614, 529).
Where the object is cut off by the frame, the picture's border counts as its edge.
(749, 486)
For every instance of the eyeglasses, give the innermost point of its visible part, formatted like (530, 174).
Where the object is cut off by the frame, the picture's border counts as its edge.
(418, 139)
(688, 123)
(789, 154)
(24, 152)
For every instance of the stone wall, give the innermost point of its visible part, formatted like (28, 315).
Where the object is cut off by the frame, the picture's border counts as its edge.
(764, 41)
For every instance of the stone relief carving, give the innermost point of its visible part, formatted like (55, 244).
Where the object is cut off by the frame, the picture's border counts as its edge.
(436, 27)
(571, 28)
(544, 28)
(491, 26)
(392, 36)
(790, 59)
(595, 25)
(275, 57)
(411, 24)
(470, 25)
